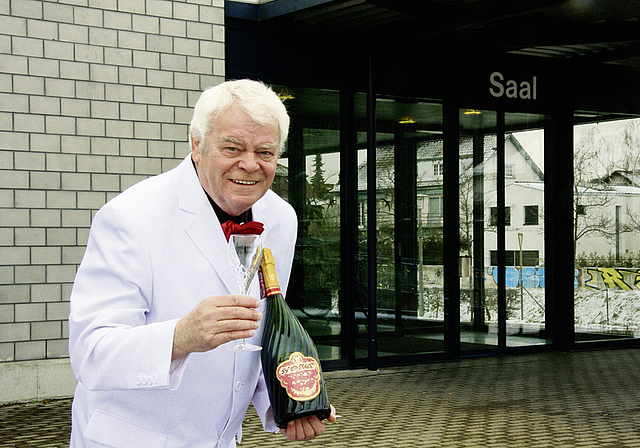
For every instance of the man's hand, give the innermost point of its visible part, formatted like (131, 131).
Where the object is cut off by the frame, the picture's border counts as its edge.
(306, 428)
(214, 321)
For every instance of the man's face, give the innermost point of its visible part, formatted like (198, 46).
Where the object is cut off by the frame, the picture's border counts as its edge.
(239, 164)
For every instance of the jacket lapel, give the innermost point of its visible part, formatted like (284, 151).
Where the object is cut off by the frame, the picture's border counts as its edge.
(203, 228)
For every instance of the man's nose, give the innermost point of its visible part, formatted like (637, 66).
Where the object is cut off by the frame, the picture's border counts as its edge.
(249, 162)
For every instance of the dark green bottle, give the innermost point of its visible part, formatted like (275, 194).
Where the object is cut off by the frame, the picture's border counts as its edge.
(289, 357)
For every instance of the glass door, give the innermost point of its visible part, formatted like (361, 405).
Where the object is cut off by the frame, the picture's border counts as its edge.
(501, 260)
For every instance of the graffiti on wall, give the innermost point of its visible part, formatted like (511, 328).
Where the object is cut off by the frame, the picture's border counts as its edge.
(590, 278)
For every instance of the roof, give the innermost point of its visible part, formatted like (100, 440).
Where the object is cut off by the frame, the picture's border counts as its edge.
(603, 32)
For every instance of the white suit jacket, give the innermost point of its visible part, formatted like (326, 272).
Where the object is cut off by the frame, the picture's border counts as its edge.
(153, 253)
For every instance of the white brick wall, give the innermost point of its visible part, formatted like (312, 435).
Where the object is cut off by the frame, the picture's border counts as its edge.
(95, 95)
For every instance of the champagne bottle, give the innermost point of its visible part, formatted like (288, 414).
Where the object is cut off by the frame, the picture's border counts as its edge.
(289, 357)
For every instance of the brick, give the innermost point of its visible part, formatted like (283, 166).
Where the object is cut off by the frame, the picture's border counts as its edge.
(49, 292)
(211, 49)
(73, 107)
(73, 33)
(57, 12)
(26, 312)
(44, 104)
(6, 236)
(88, 53)
(119, 129)
(28, 123)
(135, 112)
(90, 90)
(46, 142)
(187, 47)
(147, 95)
(74, 144)
(117, 92)
(14, 217)
(149, 131)
(44, 67)
(160, 8)
(103, 37)
(146, 24)
(61, 162)
(6, 314)
(41, 30)
(105, 182)
(185, 11)
(44, 180)
(61, 237)
(120, 165)
(174, 97)
(134, 76)
(60, 88)
(14, 140)
(135, 6)
(104, 109)
(83, 235)
(72, 255)
(14, 293)
(14, 255)
(160, 44)
(26, 46)
(58, 348)
(7, 352)
(133, 148)
(60, 310)
(161, 114)
(117, 20)
(91, 200)
(14, 179)
(218, 67)
(76, 181)
(160, 148)
(6, 121)
(91, 164)
(127, 181)
(76, 218)
(15, 26)
(146, 59)
(6, 159)
(27, 8)
(147, 166)
(118, 56)
(26, 351)
(88, 16)
(212, 15)
(176, 132)
(104, 4)
(102, 73)
(46, 330)
(74, 70)
(29, 199)
(10, 102)
(60, 125)
(30, 236)
(54, 49)
(61, 199)
(173, 62)
(132, 40)
(29, 160)
(6, 275)
(105, 146)
(45, 218)
(159, 78)
(46, 255)
(14, 332)
(199, 30)
(91, 126)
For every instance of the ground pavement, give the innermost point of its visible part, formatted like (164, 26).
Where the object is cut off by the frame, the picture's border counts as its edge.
(578, 399)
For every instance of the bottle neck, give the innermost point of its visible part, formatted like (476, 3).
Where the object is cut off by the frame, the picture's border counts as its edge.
(271, 286)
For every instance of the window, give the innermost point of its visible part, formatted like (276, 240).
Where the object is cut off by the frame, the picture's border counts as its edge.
(512, 258)
(435, 209)
(438, 169)
(493, 219)
(509, 171)
(530, 215)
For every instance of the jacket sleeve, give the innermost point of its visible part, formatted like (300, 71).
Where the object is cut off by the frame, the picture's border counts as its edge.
(111, 344)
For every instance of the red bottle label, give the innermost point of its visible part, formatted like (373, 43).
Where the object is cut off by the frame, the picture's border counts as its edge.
(300, 376)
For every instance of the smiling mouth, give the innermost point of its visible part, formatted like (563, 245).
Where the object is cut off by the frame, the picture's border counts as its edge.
(244, 182)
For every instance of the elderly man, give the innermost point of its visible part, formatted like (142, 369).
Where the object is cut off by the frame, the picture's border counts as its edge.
(155, 303)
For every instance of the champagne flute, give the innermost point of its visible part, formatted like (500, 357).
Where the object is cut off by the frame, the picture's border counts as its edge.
(245, 254)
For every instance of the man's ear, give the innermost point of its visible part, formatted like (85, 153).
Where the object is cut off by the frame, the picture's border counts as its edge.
(195, 148)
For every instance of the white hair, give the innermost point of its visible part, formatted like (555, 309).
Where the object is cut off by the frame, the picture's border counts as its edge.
(258, 100)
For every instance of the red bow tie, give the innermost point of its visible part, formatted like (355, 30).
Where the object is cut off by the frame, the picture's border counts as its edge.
(253, 227)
